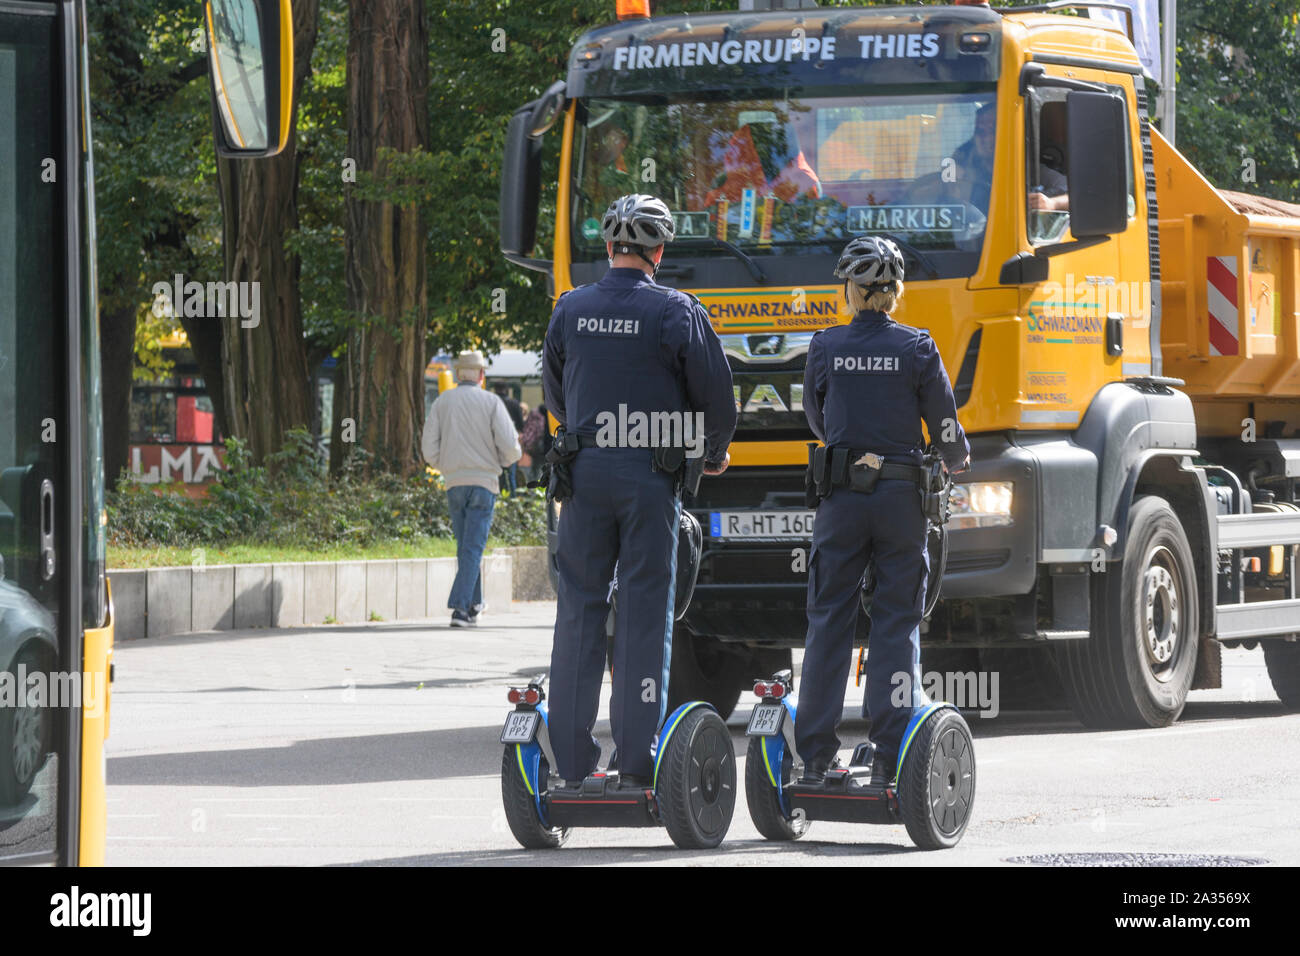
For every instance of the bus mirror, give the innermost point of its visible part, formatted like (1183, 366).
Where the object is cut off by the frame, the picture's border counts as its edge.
(250, 65)
(520, 184)
(548, 109)
(1097, 164)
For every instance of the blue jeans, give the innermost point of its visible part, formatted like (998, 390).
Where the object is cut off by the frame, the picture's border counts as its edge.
(471, 518)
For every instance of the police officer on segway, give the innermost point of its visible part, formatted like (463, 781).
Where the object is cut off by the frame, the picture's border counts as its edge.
(622, 346)
(868, 386)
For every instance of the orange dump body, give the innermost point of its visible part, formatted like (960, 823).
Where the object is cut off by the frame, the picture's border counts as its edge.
(1230, 324)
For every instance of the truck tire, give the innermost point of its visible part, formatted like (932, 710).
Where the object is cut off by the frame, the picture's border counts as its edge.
(1136, 668)
(704, 668)
(1283, 660)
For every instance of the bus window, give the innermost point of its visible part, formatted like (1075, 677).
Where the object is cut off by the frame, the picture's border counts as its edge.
(32, 348)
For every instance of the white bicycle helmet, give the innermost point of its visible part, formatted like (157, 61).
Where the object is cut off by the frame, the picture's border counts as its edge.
(639, 221)
(870, 261)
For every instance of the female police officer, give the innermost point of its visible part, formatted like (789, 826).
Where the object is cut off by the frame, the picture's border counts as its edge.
(868, 386)
(624, 345)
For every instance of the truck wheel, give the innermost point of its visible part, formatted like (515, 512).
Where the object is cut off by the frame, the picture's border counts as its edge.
(704, 668)
(1283, 660)
(1136, 668)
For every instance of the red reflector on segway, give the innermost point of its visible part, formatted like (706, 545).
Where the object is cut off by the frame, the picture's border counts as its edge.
(760, 689)
(778, 690)
(514, 696)
(531, 696)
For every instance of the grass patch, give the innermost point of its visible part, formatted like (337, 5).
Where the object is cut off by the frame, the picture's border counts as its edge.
(120, 558)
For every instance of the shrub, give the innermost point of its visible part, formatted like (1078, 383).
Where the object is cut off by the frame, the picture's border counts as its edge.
(290, 501)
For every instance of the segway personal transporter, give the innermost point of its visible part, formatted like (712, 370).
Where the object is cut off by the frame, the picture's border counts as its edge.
(934, 788)
(693, 789)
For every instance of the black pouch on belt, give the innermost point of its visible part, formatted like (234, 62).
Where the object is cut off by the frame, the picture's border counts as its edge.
(810, 496)
(669, 460)
(821, 471)
(863, 475)
(839, 467)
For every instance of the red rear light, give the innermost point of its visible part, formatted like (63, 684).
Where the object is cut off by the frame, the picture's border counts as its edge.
(778, 690)
(760, 689)
(531, 696)
(514, 696)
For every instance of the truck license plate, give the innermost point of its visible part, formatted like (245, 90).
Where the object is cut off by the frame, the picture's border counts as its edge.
(521, 726)
(761, 524)
(765, 721)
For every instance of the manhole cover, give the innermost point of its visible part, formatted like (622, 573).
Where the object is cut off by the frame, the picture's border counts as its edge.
(1135, 859)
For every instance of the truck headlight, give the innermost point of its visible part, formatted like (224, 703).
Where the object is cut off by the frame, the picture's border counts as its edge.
(981, 504)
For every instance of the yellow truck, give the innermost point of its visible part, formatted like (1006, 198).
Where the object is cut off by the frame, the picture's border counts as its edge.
(1122, 337)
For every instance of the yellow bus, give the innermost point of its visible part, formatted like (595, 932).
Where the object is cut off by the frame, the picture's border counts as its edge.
(56, 619)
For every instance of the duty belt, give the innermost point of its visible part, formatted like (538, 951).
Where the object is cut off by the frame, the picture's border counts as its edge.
(852, 468)
(673, 461)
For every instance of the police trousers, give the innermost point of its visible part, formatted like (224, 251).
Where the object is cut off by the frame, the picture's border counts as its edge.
(851, 528)
(621, 511)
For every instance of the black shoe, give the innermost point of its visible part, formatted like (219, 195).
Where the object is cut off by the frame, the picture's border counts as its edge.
(573, 785)
(814, 774)
(633, 781)
(883, 770)
(461, 619)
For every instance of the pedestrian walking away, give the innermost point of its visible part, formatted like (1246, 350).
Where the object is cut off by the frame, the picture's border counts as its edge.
(469, 437)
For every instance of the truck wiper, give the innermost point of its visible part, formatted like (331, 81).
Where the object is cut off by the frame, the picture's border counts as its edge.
(754, 268)
(914, 252)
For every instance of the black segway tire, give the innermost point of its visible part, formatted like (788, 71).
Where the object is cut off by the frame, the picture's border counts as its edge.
(764, 802)
(696, 784)
(521, 809)
(936, 784)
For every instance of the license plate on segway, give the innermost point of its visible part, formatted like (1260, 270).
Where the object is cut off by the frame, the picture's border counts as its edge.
(520, 728)
(765, 721)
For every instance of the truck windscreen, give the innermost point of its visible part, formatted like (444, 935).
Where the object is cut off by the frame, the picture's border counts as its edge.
(780, 174)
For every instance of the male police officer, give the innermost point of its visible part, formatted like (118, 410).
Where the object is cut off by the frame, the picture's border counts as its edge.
(867, 387)
(619, 347)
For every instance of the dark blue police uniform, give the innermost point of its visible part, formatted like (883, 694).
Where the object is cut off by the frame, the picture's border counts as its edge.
(623, 341)
(867, 386)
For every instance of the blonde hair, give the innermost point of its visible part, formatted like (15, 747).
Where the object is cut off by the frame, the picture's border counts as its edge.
(878, 298)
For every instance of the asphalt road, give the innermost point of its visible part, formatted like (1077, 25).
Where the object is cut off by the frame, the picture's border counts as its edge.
(377, 744)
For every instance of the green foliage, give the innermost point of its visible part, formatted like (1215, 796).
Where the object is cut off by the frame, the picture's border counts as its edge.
(1237, 94)
(289, 500)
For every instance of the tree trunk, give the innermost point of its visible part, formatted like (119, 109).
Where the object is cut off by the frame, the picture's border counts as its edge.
(265, 388)
(117, 361)
(388, 106)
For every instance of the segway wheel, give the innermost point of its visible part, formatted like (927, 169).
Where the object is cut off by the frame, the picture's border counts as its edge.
(696, 783)
(936, 784)
(763, 799)
(521, 808)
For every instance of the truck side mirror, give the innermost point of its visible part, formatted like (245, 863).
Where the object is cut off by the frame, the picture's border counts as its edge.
(1098, 164)
(250, 65)
(521, 174)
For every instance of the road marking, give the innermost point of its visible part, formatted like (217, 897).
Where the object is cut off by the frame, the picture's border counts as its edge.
(132, 816)
(283, 816)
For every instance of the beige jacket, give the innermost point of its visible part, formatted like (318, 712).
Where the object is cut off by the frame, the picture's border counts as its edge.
(469, 437)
